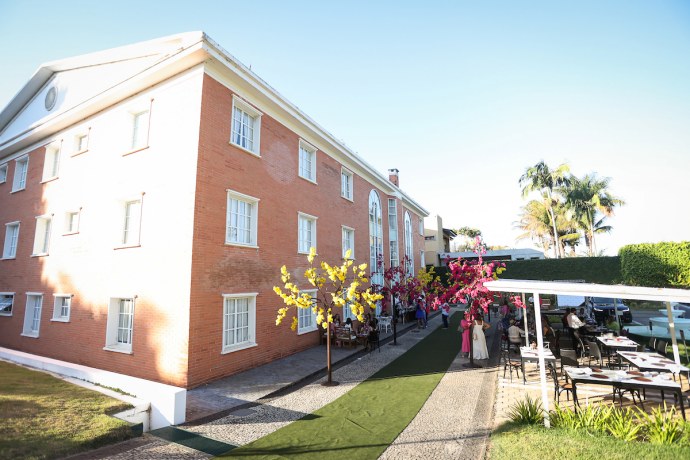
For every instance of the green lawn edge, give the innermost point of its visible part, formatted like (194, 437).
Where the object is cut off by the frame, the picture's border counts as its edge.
(362, 423)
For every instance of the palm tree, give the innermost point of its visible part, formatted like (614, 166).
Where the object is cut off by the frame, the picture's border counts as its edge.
(536, 223)
(549, 183)
(588, 197)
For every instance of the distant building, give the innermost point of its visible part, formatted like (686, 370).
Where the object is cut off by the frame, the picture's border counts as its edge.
(436, 241)
(502, 254)
(149, 195)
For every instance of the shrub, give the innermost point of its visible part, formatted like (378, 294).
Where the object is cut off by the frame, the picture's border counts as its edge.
(624, 424)
(656, 265)
(527, 412)
(662, 427)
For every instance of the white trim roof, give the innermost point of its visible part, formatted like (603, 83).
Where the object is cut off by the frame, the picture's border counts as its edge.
(176, 53)
(589, 289)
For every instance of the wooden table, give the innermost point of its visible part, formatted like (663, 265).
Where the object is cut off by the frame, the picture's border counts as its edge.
(531, 355)
(624, 380)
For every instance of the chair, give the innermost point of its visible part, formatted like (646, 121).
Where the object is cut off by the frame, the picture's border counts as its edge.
(595, 353)
(558, 387)
(385, 324)
(374, 340)
(652, 344)
(510, 364)
(569, 358)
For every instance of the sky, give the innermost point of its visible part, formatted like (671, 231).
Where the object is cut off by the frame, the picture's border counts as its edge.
(460, 96)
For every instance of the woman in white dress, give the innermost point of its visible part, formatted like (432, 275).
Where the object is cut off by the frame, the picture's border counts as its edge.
(479, 350)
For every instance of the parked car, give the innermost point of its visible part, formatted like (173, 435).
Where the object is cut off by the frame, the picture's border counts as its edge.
(682, 306)
(600, 308)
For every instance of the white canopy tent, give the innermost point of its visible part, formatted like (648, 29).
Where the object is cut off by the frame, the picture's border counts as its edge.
(537, 288)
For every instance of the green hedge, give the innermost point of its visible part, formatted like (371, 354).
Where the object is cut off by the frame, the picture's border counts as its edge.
(656, 265)
(601, 270)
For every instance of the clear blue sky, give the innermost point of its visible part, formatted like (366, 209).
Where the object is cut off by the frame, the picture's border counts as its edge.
(460, 96)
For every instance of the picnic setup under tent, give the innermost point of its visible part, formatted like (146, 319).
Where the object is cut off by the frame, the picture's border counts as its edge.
(539, 288)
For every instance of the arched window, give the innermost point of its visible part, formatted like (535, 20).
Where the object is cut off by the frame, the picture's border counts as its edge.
(375, 238)
(408, 245)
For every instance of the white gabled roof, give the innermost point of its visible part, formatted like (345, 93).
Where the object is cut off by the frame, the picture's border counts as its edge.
(89, 83)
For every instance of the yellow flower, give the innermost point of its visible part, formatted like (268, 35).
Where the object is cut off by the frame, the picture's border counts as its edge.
(312, 254)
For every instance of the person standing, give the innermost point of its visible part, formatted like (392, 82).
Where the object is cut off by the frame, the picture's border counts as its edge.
(479, 350)
(419, 314)
(445, 311)
(465, 327)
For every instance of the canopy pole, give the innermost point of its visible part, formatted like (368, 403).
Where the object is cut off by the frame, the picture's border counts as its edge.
(542, 365)
(525, 323)
(672, 331)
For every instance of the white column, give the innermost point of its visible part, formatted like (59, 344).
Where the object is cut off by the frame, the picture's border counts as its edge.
(542, 365)
(672, 331)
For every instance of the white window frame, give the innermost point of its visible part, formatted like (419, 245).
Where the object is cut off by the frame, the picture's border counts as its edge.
(117, 326)
(20, 173)
(376, 238)
(3, 173)
(8, 294)
(32, 314)
(306, 313)
(140, 127)
(409, 245)
(348, 240)
(51, 164)
(42, 235)
(422, 261)
(421, 226)
(69, 230)
(131, 223)
(347, 182)
(253, 219)
(307, 152)
(79, 146)
(62, 311)
(393, 232)
(255, 115)
(9, 250)
(251, 322)
(301, 219)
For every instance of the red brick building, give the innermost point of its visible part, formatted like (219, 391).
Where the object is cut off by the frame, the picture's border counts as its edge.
(149, 195)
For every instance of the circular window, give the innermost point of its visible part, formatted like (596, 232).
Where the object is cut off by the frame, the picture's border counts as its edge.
(51, 98)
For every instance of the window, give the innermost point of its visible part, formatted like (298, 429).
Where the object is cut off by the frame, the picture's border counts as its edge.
(239, 321)
(346, 183)
(421, 226)
(3, 173)
(246, 126)
(307, 161)
(408, 245)
(11, 237)
(422, 262)
(120, 327)
(306, 236)
(6, 302)
(375, 238)
(241, 220)
(140, 129)
(132, 223)
(42, 237)
(81, 143)
(306, 317)
(72, 222)
(20, 170)
(61, 308)
(32, 316)
(52, 162)
(393, 231)
(349, 241)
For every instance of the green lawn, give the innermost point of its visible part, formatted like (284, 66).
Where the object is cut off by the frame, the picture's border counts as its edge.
(43, 417)
(523, 442)
(362, 423)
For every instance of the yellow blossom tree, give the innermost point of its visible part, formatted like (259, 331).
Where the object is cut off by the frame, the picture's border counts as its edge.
(336, 286)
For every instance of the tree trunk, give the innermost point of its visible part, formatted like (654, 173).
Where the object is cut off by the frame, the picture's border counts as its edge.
(553, 224)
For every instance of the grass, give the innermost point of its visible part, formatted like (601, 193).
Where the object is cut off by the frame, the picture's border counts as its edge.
(362, 423)
(534, 442)
(42, 417)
